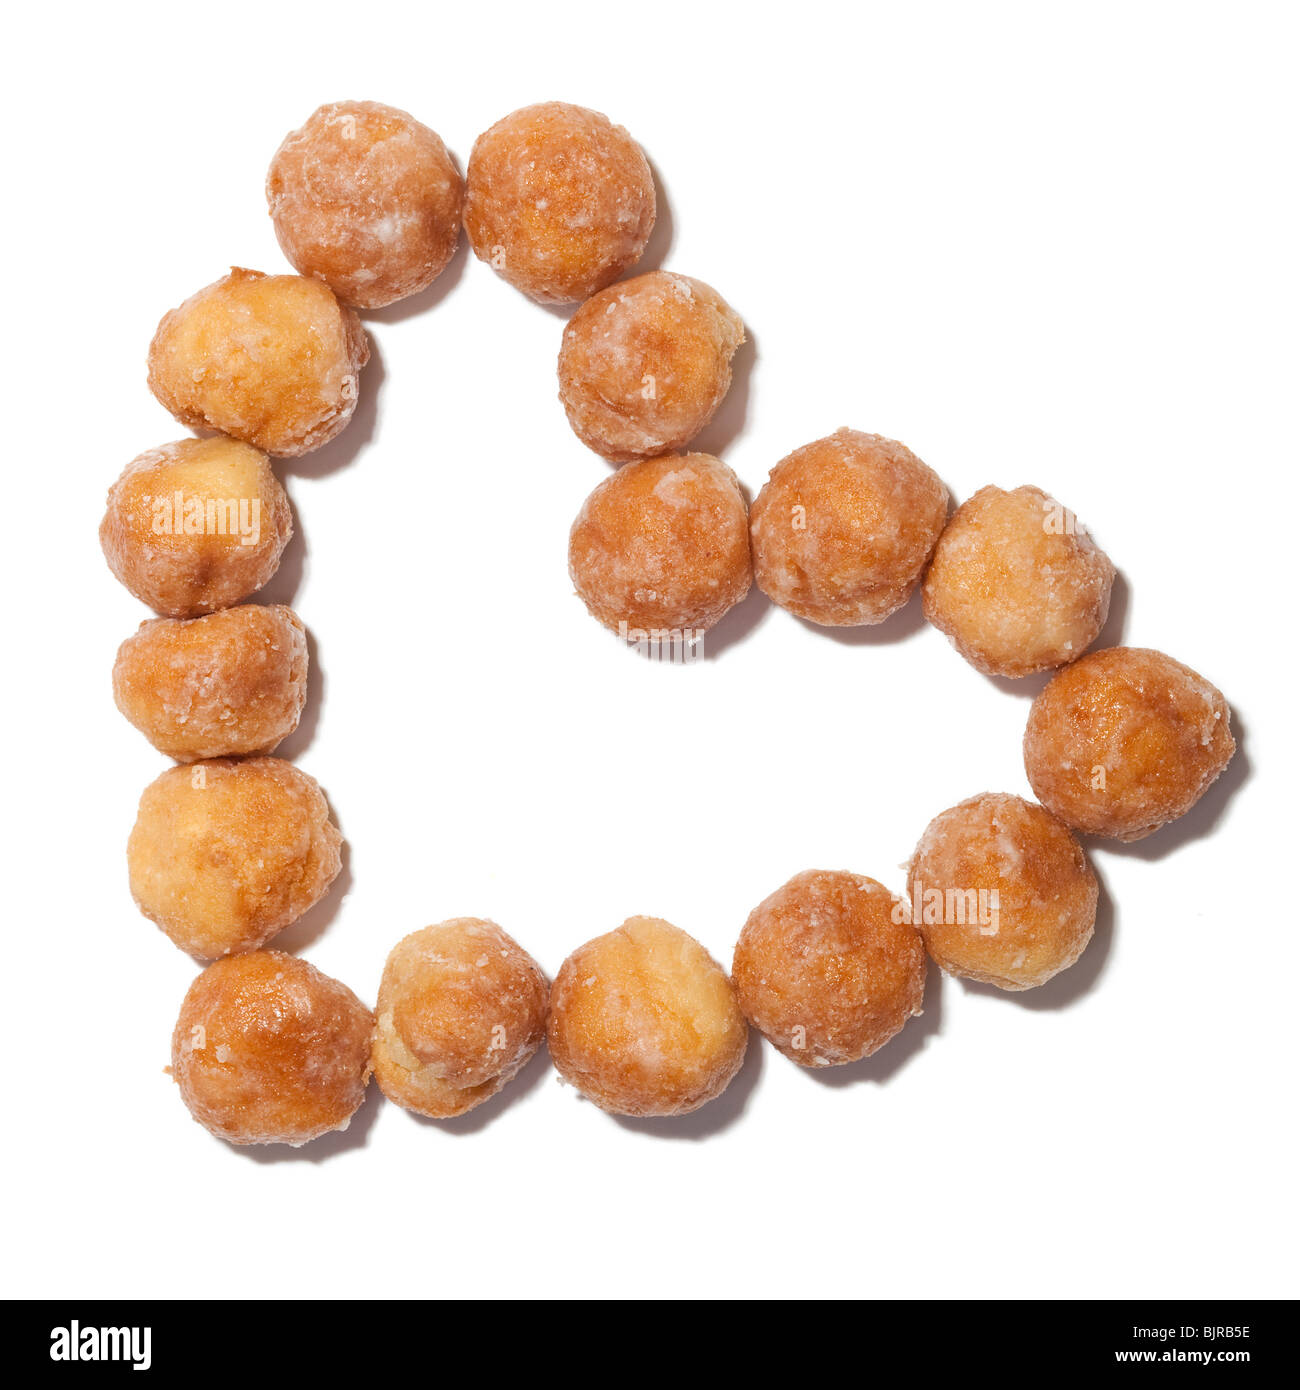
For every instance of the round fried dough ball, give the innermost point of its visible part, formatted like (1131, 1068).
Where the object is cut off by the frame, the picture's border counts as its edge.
(462, 1007)
(662, 545)
(645, 363)
(1002, 892)
(267, 1050)
(1016, 584)
(366, 199)
(826, 970)
(843, 528)
(274, 360)
(644, 1021)
(195, 526)
(558, 200)
(228, 684)
(1126, 740)
(225, 853)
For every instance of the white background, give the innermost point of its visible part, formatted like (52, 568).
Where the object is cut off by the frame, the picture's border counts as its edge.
(1038, 244)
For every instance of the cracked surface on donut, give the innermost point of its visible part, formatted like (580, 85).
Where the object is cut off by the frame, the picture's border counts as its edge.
(645, 363)
(274, 360)
(1126, 740)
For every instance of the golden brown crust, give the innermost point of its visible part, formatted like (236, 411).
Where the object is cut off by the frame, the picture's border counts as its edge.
(644, 1021)
(1126, 740)
(1042, 916)
(462, 1008)
(268, 1050)
(195, 526)
(417, 1089)
(274, 360)
(225, 685)
(558, 200)
(366, 199)
(826, 969)
(225, 853)
(645, 363)
(662, 545)
(844, 526)
(1016, 584)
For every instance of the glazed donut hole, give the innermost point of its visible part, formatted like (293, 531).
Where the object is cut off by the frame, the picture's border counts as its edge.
(225, 685)
(274, 360)
(1016, 584)
(1002, 892)
(662, 547)
(462, 1008)
(268, 1050)
(1126, 740)
(827, 969)
(645, 363)
(225, 853)
(644, 1021)
(197, 525)
(843, 528)
(559, 201)
(366, 199)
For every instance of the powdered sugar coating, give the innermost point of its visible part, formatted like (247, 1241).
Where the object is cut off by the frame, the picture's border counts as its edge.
(558, 200)
(844, 526)
(645, 363)
(825, 969)
(1126, 740)
(366, 199)
(1016, 584)
(644, 1021)
(268, 1050)
(1017, 897)
(462, 1008)
(663, 544)
(197, 525)
(225, 685)
(225, 853)
(274, 360)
